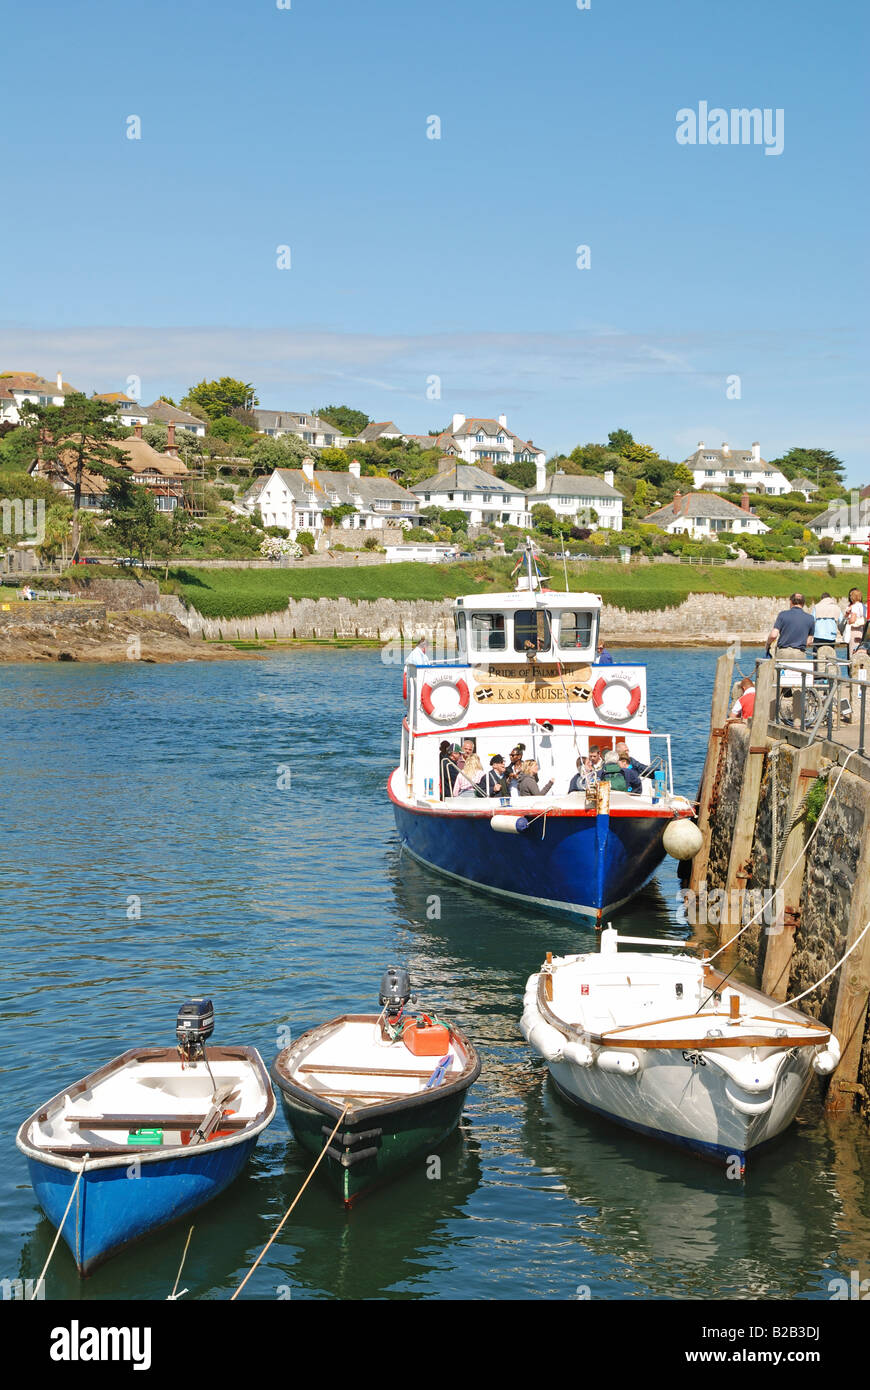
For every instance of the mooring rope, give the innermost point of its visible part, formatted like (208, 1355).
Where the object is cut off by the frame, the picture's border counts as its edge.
(287, 1213)
(35, 1293)
(843, 957)
(814, 833)
(174, 1296)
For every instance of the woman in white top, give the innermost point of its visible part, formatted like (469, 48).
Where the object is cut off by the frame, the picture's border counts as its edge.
(854, 619)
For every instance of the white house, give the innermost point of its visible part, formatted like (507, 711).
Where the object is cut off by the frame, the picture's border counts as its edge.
(843, 521)
(485, 499)
(311, 429)
(297, 498)
(726, 467)
(702, 515)
(18, 387)
(488, 442)
(574, 495)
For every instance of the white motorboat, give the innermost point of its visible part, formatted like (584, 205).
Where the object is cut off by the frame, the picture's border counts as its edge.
(669, 1047)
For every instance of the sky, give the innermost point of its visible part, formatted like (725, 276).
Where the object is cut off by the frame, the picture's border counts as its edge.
(284, 216)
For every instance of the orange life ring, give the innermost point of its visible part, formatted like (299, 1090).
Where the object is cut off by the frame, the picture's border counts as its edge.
(601, 688)
(461, 691)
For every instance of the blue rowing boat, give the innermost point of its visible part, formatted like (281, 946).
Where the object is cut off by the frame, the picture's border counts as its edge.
(146, 1139)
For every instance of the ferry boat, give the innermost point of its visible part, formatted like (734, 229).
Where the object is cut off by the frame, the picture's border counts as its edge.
(525, 672)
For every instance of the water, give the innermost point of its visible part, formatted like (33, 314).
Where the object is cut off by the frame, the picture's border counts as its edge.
(158, 786)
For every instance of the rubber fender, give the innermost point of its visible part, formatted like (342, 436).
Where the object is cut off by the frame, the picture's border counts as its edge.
(626, 1062)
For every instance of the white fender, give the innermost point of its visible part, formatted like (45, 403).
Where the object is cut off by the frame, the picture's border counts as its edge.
(546, 1041)
(754, 1077)
(578, 1053)
(626, 1062)
(750, 1107)
(825, 1060)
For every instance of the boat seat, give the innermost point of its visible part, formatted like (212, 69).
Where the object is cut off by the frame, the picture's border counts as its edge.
(152, 1121)
(328, 1069)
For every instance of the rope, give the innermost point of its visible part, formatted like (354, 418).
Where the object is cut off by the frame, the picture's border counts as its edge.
(174, 1295)
(35, 1293)
(754, 919)
(277, 1230)
(798, 997)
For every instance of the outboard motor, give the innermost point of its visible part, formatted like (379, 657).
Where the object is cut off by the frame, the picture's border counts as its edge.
(193, 1027)
(395, 990)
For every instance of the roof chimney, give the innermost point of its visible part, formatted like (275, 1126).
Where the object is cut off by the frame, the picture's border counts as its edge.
(170, 439)
(609, 477)
(756, 452)
(744, 501)
(60, 381)
(137, 429)
(678, 497)
(353, 468)
(726, 450)
(458, 422)
(308, 469)
(700, 443)
(502, 420)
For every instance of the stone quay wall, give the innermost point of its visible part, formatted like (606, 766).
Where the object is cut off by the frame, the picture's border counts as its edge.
(51, 615)
(700, 618)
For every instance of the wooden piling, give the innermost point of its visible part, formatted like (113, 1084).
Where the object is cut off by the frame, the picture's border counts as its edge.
(747, 809)
(853, 988)
(718, 731)
(789, 878)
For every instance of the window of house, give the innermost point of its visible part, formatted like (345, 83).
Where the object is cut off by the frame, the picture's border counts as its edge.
(532, 627)
(575, 629)
(488, 632)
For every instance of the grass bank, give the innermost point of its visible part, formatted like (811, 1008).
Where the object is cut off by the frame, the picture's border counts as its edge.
(240, 593)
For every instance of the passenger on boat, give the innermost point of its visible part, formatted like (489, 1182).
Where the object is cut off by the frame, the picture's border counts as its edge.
(450, 772)
(527, 781)
(470, 774)
(585, 776)
(604, 657)
(516, 757)
(419, 656)
(632, 779)
(641, 769)
(612, 772)
(495, 782)
(468, 748)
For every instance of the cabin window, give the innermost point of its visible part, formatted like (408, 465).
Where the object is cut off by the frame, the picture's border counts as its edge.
(489, 632)
(532, 630)
(461, 635)
(575, 629)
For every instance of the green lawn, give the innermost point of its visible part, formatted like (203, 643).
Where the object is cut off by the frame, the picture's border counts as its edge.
(239, 593)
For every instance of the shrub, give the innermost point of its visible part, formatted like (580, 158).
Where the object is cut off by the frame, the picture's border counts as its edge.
(306, 541)
(370, 543)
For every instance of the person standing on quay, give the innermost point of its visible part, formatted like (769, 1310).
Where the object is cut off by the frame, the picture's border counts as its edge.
(854, 625)
(792, 632)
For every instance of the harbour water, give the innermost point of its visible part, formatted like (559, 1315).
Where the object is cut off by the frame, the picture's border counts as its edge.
(224, 829)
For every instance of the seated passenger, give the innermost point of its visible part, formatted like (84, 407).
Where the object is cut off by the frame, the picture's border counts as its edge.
(640, 768)
(495, 783)
(632, 778)
(613, 772)
(528, 780)
(468, 777)
(585, 776)
(450, 772)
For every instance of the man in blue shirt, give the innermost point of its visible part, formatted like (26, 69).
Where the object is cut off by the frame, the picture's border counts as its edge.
(793, 631)
(604, 657)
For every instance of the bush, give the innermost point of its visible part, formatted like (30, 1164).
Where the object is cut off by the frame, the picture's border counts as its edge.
(370, 543)
(306, 541)
(226, 494)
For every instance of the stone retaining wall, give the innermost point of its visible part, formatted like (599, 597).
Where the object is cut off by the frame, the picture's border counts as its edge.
(700, 618)
(52, 614)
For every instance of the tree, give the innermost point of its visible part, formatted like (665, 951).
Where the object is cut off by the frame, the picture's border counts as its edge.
(285, 452)
(133, 515)
(72, 439)
(188, 444)
(620, 440)
(819, 465)
(546, 520)
(683, 476)
(522, 475)
(336, 460)
(232, 430)
(169, 401)
(642, 494)
(336, 515)
(221, 397)
(350, 422)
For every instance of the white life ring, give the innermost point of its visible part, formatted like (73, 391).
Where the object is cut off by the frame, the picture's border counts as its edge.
(617, 716)
(440, 715)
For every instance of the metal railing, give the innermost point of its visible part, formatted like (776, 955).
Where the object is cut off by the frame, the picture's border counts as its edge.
(824, 699)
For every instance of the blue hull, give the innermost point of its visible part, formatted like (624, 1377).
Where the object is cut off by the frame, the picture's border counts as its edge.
(583, 865)
(113, 1208)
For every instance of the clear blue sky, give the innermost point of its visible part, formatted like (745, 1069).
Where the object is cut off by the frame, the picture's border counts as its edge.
(455, 257)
